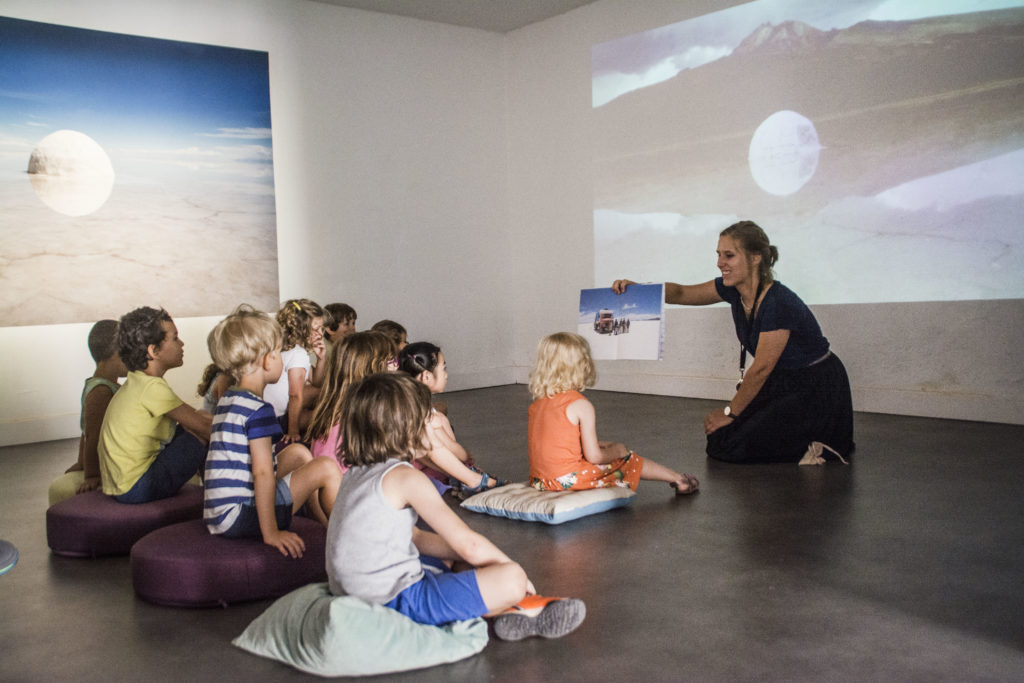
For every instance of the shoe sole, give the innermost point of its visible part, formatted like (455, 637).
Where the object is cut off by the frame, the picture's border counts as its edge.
(557, 619)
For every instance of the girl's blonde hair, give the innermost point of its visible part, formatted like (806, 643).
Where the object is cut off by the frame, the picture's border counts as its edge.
(296, 320)
(350, 360)
(385, 417)
(563, 364)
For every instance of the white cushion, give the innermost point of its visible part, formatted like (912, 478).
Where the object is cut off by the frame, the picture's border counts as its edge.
(519, 501)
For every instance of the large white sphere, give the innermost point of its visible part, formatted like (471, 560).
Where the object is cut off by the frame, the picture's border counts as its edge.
(71, 173)
(784, 153)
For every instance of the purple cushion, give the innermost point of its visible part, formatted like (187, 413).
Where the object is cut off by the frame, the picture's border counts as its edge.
(184, 565)
(93, 524)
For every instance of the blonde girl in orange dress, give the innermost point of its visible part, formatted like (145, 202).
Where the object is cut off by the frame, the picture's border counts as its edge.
(564, 450)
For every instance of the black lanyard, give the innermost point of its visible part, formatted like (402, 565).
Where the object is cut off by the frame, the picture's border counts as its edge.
(750, 329)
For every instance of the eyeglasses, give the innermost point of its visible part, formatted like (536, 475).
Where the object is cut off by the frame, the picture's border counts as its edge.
(392, 364)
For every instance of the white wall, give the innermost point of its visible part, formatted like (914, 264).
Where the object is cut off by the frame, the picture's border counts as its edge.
(441, 177)
(390, 174)
(951, 360)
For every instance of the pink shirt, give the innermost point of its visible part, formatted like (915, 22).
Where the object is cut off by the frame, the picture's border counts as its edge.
(328, 447)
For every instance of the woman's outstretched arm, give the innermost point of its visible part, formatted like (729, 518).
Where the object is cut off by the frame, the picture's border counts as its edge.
(684, 295)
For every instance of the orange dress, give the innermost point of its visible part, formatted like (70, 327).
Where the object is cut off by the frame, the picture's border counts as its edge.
(556, 452)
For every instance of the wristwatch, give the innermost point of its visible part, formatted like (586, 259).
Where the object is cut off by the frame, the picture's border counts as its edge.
(728, 411)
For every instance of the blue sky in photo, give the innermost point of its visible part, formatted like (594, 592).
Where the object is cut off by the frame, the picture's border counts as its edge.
(149, 103)
(638, 301)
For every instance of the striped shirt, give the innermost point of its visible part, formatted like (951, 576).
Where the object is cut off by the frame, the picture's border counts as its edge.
(240, 418)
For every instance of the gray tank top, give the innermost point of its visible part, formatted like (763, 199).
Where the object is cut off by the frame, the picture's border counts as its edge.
(370, 553)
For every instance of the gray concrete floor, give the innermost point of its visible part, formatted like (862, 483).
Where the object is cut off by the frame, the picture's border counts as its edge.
(907, 565)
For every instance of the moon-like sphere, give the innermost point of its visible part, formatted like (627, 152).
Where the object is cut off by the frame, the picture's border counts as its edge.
(71, 173)
(784, 153)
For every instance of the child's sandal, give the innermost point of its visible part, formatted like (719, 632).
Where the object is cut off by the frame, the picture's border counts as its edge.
(485, 484)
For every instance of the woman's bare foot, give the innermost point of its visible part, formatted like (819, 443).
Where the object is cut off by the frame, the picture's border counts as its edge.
(685, 485)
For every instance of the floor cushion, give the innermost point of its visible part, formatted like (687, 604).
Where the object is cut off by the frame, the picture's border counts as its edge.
(94, 524)
(184, 565)
(329, 635)
(522, 502)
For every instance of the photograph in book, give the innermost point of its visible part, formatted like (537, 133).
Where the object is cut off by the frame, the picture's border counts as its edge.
(627, 326)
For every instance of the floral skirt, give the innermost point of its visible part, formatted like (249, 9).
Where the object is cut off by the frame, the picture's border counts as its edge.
(624, 472)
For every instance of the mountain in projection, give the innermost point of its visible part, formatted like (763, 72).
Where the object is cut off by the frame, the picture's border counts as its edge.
(890, 101)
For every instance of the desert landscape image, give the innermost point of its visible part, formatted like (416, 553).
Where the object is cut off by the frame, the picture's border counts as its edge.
(884, 148)
(133, 171)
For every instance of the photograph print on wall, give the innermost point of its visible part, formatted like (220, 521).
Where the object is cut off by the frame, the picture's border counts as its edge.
(133, 171)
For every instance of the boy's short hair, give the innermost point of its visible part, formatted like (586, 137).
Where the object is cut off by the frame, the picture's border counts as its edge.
(563, 363)
(338, 314)
(385, 417)
(103, 340)
(139, 329)
(391, 329)
(241, 340)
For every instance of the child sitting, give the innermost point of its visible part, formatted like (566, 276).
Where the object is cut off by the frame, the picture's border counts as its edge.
(212, 386)
(250, 492)
(353, 358)
(564, 450)
(376, 552)
(426, 363)
(84, 475)
(293, 395)
(393, 330)
(342, 322)
(151, 441)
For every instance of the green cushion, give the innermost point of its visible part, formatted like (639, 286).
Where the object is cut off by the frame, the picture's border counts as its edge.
(329, 635)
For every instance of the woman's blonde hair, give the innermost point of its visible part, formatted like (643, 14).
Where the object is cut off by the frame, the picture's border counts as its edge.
(385, 416)
(350, 360)
(241, 340)
(563, 364)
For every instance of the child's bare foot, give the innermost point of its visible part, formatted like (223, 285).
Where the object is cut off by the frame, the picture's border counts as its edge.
(685, 485)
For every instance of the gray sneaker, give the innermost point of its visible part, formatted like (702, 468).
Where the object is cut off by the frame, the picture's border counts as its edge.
(539, 616)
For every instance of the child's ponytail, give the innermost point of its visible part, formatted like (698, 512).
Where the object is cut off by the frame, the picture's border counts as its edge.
(419, 357)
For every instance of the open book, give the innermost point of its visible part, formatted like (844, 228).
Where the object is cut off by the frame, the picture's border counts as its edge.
(623, 326)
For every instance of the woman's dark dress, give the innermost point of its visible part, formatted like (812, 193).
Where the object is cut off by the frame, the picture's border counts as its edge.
(806, 398)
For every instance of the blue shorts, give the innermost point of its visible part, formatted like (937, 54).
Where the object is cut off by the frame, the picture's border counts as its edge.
(440, 598)
(247, 524)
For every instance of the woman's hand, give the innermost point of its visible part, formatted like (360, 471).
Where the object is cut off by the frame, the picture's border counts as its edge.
(715, 420)
(619, 286)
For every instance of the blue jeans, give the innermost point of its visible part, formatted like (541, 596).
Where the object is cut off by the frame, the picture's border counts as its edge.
(247, 524)
(178, 462)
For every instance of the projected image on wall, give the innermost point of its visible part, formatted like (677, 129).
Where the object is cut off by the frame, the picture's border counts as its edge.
(879, 143)
(133, 171)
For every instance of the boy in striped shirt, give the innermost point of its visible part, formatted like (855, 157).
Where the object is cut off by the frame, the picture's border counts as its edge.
(250, 491)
